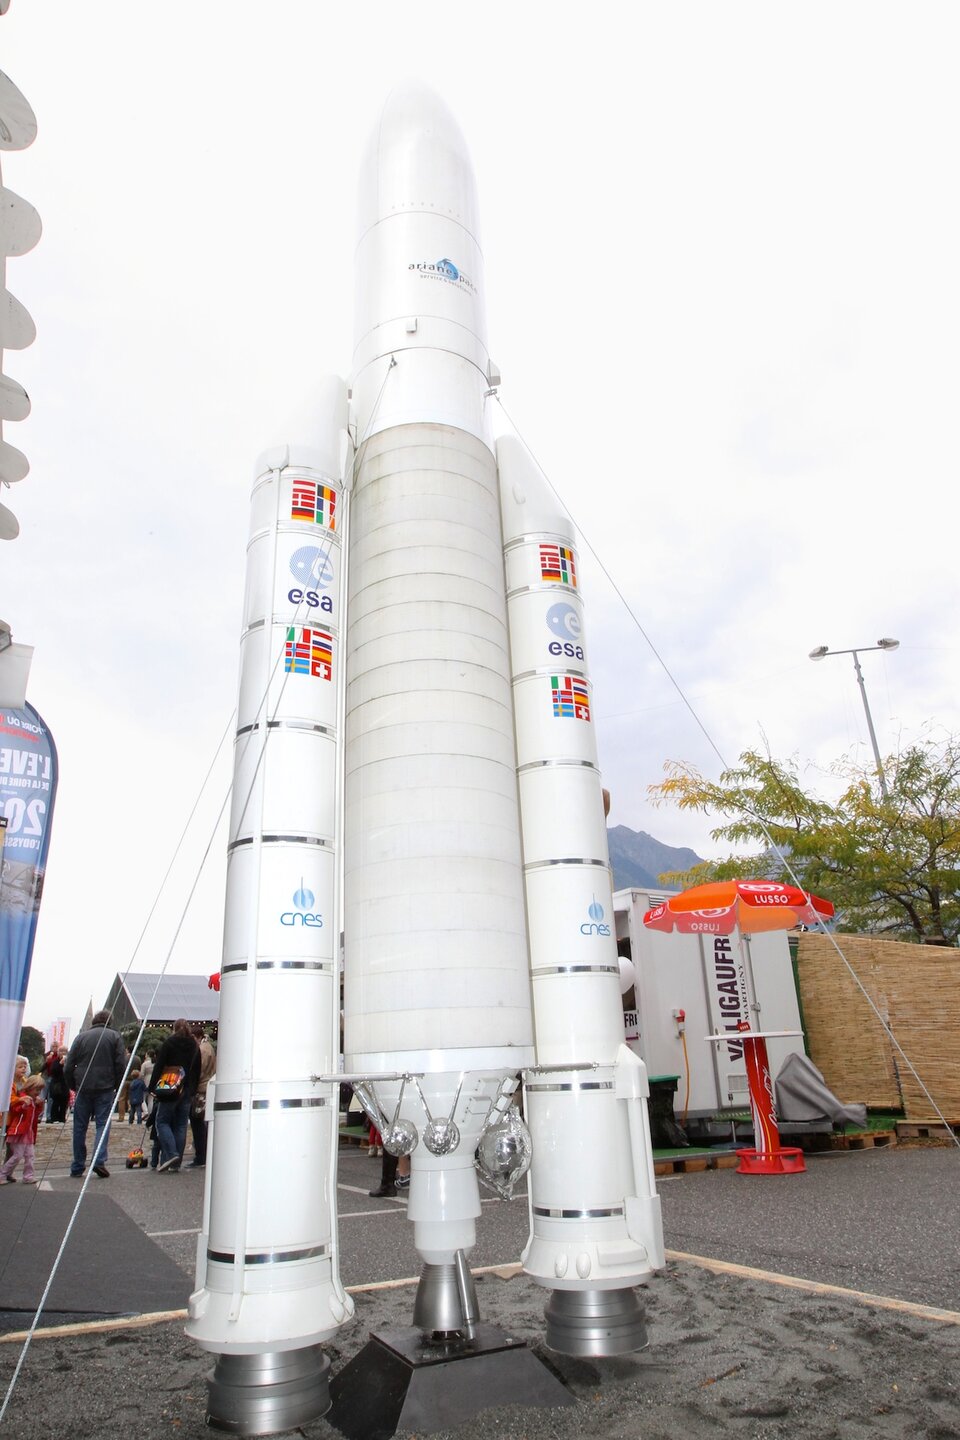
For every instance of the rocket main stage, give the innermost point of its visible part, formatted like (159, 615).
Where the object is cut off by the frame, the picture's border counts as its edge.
(414, 734)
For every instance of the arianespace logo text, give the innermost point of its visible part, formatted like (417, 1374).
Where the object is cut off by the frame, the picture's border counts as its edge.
(444, 270)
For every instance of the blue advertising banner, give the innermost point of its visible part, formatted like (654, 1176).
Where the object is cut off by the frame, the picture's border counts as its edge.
(28, 786)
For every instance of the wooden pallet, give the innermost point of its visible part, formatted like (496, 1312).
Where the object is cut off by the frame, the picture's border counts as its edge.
(690, 1164)
(927, 1129)
(868, 1140)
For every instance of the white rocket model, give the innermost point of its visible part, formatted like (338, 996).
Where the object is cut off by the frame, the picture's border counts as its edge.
(477, 906)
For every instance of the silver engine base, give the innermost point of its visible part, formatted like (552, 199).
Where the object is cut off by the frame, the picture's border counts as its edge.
(267, 1394)
(595, 1322)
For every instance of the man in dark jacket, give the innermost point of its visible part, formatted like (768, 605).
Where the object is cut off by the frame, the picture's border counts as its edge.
(94, 1069)
(178, 1052)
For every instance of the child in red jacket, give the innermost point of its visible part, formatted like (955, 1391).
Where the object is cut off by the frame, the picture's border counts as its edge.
(23, 1115)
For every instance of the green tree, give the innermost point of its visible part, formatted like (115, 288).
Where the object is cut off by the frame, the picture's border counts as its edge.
(153, 1038)
(33, 1045)
(890, 867)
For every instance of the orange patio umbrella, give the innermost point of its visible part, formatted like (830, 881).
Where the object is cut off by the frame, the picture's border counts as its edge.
(753, 905)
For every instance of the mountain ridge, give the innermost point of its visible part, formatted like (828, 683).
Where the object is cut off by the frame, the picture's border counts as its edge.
(637, 858)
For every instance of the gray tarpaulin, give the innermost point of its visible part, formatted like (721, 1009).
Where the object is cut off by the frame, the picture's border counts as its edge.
(802, 1094)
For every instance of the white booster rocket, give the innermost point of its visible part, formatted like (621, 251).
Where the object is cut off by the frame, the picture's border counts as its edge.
(419, 729)
(268, 1289)
(595, 1226)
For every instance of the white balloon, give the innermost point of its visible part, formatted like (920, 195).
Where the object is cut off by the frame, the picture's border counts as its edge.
(628, 974)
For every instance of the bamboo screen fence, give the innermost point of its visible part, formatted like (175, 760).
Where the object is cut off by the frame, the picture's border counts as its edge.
(917, 990)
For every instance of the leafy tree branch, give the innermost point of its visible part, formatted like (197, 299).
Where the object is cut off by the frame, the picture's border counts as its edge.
(889, 866)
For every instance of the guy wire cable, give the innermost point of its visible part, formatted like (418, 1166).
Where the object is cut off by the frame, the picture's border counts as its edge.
(714, 747)
(136, 948)
(97, 1148)
(86, 1179)
(99, 1144)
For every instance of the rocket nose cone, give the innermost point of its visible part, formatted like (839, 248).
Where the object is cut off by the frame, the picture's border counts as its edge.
(416, 160)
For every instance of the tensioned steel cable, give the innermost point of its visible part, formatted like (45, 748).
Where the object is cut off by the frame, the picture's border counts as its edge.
(99, 1144)
(716, 750)
(248, 738)
(146, 925)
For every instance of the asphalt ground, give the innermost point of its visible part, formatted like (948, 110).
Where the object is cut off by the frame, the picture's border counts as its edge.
(751, 1357)
(885, 1221)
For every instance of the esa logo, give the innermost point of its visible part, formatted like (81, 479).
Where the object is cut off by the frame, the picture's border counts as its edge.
(564, 622)
(595, 925)
(303, 913)
(314, 569)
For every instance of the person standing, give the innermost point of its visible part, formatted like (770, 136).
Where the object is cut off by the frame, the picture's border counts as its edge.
(146, 1070)
(46, 1071)
(58, 1089)
(394, 1176)
(198, 1108)
(94, 1069)
(23, 1115)
(124, 1092)
(179, 1052)
(137, 1092)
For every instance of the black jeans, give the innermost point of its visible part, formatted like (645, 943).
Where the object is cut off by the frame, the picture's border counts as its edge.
(198, 1129)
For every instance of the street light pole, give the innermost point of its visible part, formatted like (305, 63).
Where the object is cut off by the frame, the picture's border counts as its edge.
(886, 644)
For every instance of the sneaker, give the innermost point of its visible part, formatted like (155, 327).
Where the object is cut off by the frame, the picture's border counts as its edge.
(172, 1164)
(102, 1171)
(197, 1165)
(402, 1182)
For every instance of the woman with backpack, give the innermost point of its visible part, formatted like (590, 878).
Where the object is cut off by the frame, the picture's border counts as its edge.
(173, 1084)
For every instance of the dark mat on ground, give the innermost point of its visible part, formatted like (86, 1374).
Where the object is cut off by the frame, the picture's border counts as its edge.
(109, 1267)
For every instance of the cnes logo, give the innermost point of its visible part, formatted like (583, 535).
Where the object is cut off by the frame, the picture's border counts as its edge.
(595, 925)
(303, 913)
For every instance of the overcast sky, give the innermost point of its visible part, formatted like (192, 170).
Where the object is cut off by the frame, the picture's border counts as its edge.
(722, 251)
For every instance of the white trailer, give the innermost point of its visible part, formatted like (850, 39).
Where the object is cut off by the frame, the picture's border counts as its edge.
(691, 986)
